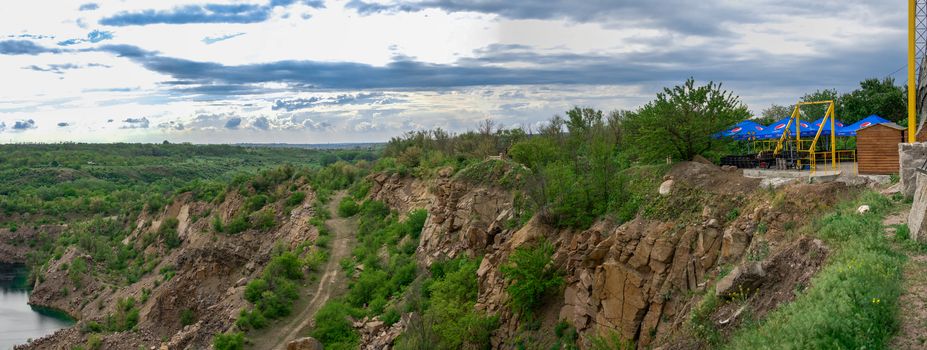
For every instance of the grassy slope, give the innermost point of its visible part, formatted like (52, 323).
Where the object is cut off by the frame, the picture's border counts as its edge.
(852, 303)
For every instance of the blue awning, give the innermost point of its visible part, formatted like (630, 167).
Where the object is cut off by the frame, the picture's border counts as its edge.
(740, 131)
(850, 130)
(815, 125)
(775, 130)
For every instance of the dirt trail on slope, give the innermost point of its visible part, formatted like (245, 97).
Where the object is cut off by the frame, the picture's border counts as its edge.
(331, 283)
(912, 328)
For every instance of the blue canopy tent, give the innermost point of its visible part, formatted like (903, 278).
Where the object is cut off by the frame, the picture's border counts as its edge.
(815, 125)
(741, 131)
(774, 130)
(850, 130)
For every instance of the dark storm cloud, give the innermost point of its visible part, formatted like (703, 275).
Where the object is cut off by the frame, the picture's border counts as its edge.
(841, 66)
(206, 13)
(233, 123)
(706, 18)
(261, 123)
(23, 47)
(24, 124)
(135, 123)
(693, 17)
(63, 124)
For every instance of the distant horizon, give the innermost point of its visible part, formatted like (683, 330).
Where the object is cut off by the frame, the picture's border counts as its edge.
(258, 144)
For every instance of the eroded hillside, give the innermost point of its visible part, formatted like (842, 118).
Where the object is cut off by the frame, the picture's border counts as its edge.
(640, 280)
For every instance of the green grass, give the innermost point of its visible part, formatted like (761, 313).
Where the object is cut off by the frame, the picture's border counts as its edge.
(852, 302)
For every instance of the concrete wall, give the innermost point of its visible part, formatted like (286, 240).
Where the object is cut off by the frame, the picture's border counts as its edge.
(911, 156)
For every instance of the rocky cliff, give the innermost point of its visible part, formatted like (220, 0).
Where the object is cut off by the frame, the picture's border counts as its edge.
(640, 278)
(205, 275)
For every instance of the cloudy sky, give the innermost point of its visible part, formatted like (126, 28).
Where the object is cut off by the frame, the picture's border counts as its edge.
(319, 71)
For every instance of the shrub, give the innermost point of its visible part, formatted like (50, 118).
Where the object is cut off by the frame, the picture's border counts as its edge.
(217, 224)
(347, 207)
(295, 199)
(265, 220)
(248, 319)
(254, 289)
(255, 203)
(333, 328)
(94, 342)
(76, 271)
(126, 317)
(274, 293)
(451, 311)
(229, 341)
(238, 224)
(168, 232)
(391, 316)
(187, 317)
(530, 276)
(286, 265)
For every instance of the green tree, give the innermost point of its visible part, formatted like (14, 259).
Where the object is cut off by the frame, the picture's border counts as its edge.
(680, 121)
(815, 112)
(881, 97)
(775, 112)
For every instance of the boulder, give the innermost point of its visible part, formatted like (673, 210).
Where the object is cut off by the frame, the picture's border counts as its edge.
(743, 279)
(733, 243)
(862, 209)
(666, 187)
(307, 343)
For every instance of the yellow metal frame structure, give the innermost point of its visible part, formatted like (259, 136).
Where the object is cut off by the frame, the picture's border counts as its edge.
(810, 151)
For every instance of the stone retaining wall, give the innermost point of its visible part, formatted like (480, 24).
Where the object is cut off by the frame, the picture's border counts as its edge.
(911, 156)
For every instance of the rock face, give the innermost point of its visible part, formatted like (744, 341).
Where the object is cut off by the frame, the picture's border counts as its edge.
(208, 274)
(918, 213)
(463, 218)
(375, 335)
(634, 278)
(307, 343)
(400, 193)
(742, 281)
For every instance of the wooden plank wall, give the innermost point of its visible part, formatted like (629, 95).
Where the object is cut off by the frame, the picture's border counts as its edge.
(877, 149)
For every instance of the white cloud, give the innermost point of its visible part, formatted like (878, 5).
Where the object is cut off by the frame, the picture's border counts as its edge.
(100, 86)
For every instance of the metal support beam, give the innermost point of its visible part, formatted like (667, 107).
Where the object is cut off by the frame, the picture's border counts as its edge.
(912, 67)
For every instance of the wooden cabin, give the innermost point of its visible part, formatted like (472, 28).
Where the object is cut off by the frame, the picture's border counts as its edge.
(877, 148)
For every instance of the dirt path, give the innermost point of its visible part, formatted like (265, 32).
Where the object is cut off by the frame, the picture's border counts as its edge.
(912, 332)
(329, 284)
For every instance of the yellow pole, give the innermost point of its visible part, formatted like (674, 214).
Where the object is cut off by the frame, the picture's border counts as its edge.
(912, 88)
(798, 133)
(833, 137)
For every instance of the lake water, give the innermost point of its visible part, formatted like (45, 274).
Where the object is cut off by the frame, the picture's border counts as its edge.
(19, 321)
